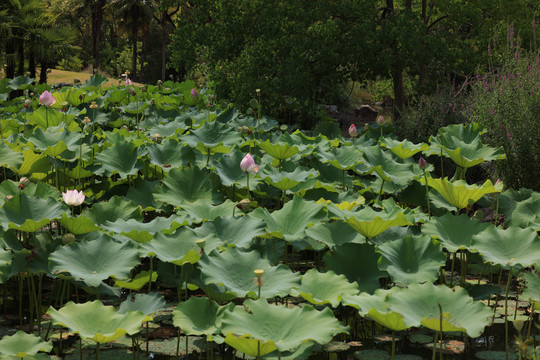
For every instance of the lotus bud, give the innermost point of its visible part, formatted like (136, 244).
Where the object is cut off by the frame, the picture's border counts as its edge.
(352, 131)
(194, 93)
(157, 138)
(201, 243)
(380, 120)
(32, 94)
(248, 164)
(93, 105)
(422, 163)
(240, 129)
(27, 103)
(86, 120)
(244, 205)
(68, 238)
(65, 106)
(245, 129)
(47, 99)
(499, 185)
(8, 197)
(23, 183)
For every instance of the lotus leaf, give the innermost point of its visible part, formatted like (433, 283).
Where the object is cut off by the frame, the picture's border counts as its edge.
(455, 232)
(29, 213)
(213, 136)
(177, 248)
(229, 172)
(95, 321)
(463, 145)
(5, 265)
(40, 189)
(287, 180)
(380, 162)
(95, 260)
(187, 186)
(290, 222)
(279, 151)
(143, 232)
(418, 305)
(323, 288)
(95, 80)
(343, 158)
(33, 163)
(412, 259)
(358, 262)
(532, 289)
(508, 247)
(459, 193)
(138, 281)
(55, 140)
(114, 209)
(204, 210)
(200, 316)
(238, 231)
(526, 213)
(334, 234)
(53, 117)
(301, 353)
(21, 83)
(10, 158)
(22, 344)
(371, 223)
(234, 270)
(145, 303)
(170, 155)
(404, 149)
(121, 158)
(284, 329)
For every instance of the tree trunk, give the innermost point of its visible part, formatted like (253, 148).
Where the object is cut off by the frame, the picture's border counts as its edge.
(399, 93)
(10, 50)
(32, 65)
(134, 31)
(97, 20)
(43, 73)
(143, 54)
(163, 44)
(20, 53)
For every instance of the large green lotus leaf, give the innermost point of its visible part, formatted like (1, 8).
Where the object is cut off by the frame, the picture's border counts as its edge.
(343, 158)
(334, 234)
(94, 261)
(10, 158)
(95, 321)
(280, 151)
(145, 303)
(286, 328)
(32, 163)
(55, 140)
(22, 344)
(230, 173)
(21, 83)
(508, 247)
(78, 225)
(138, 281)
(391, 319)
(459, 193)
(53, 117)
(143, 231)
(303, 352)
(234, 270)
(178, 248)
(187, 186)
(358, 262)
(463, 144)
(412, 259)
(166, 128)
(325, 288)
(204, 210)
(225, 231)
(532, 288)
(199, 316)
(5, 265)
(95, 80)
(526, 213)
(290, 222)
(371, 223)
(40, 189)
(170, 155)
(287, 180)
(380, 162)
(455, 232)
(121, 158)
(404, 149)
(418, 305)
(30, 213)
(114, 209)
(142, 193)
(375, 307)
(250, 346)
(214, 136)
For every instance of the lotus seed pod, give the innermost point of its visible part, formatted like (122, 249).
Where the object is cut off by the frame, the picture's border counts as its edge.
(244, 205)
(68, 238)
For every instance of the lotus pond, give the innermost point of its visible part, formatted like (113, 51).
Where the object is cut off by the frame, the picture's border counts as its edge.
(135, 225)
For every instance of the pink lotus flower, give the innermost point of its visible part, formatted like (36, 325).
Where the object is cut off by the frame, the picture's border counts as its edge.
(47, 99)
(248, 164)
(422, 163)
(128, 81)
(380, 120)
(352, 131)
(194, 93)
(73, 197)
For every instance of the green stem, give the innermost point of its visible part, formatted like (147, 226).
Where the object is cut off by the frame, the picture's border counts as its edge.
(380, 190)
(427, 194)
(151, 269)
(506, 346)
(452, 270)
(435, 345)
(393, 345)
(98, 356)
(440, 329)
(178, 345)
(442, 166)
(247, 182)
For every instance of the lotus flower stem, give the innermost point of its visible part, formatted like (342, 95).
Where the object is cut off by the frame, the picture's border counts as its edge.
(151, 269)
(441, 330)
(247, 183)
(393, 345)
(187, 345)
(506, 347)
(178, 344)
(80, 347)
(442, 164)
(452, 270)
(147, 333)
(435, 345)
(258, 349)
(427, 194)
(47, 117)
(98, 356)
(463, 267)
(380, 190)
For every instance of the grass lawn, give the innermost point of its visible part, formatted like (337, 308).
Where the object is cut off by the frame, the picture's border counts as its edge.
(61, 76)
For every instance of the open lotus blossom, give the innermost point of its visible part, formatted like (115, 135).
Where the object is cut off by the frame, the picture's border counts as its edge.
(194, 93)
(47, 99)
(73, 197)
(352, 131)
(248, 164)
